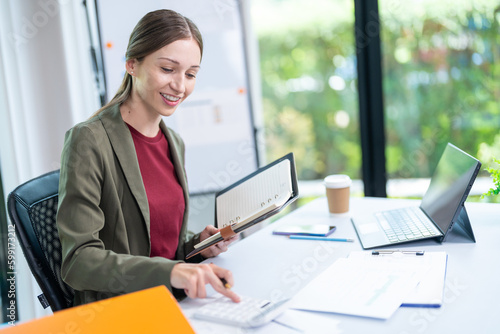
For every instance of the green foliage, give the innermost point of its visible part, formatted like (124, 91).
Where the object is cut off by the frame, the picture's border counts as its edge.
(441, 80)
(441, 68)
(495, 174)
(301, 112)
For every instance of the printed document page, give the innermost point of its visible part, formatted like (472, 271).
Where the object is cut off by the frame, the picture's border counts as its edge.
(429, 292)
(360, 288)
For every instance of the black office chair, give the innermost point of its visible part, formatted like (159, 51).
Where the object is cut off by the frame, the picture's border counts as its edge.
(32, 209)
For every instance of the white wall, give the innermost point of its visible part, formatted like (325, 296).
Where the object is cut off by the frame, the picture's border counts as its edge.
(45, 87)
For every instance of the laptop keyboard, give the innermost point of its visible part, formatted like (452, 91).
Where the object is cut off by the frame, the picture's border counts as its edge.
(406, 224)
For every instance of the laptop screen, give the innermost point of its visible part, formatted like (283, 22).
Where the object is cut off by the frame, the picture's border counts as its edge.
(454, 175)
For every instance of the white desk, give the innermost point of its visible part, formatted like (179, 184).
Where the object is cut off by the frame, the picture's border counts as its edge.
(269, 266)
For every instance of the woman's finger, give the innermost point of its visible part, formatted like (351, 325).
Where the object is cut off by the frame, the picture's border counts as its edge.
(201, 290)
(222, 273)
(222, 247)
(218, 285)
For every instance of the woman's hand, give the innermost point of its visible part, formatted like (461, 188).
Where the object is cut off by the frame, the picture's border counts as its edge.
(193, 278)
(217, 248)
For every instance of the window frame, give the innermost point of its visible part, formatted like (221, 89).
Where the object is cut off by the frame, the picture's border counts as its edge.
(370, 95)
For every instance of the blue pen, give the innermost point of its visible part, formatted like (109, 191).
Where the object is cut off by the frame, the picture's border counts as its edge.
(319, 238)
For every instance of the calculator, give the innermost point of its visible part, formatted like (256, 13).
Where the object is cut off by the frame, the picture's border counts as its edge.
(249, 312)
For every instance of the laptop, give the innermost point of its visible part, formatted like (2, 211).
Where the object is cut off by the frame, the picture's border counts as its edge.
(442, 206)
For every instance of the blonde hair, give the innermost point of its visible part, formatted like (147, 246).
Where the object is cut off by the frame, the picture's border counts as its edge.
(155, 30)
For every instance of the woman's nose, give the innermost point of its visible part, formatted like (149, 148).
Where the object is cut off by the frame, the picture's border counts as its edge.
(177, 83)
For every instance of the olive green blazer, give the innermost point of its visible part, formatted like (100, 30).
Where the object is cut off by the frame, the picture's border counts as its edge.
(103, 213)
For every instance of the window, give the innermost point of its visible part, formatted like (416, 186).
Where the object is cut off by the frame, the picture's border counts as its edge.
(441, 81)
(308, 69)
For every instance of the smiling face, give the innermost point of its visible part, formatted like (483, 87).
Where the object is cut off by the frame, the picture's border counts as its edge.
(164, 78)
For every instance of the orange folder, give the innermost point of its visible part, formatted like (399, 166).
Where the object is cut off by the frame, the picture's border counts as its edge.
(153, 310)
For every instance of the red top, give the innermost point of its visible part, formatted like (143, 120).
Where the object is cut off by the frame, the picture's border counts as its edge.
(165, 195)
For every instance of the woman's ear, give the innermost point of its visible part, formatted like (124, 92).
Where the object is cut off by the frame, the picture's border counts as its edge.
(130, 66)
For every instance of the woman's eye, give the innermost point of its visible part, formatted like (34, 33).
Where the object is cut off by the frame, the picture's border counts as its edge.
(166, 69)
(192, 76)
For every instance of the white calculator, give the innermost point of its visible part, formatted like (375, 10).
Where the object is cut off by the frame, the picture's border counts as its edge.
(249, 312)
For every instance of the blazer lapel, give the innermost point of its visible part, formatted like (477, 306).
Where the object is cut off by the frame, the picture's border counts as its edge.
(123, 146)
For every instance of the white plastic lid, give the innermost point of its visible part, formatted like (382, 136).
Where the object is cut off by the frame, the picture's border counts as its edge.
(337, 181)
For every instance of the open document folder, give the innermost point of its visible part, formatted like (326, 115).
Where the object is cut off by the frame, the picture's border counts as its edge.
(252, 199)
(373, 286)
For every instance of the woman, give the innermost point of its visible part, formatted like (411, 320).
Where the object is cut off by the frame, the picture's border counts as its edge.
(123, 196)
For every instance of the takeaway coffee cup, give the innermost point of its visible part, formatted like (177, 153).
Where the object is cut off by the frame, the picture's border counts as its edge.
(337, 192)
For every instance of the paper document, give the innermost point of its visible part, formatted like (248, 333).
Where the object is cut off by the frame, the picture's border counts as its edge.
(362, 288)
(429, 292)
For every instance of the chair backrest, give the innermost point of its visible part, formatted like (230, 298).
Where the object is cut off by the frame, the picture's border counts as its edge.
(32, 208)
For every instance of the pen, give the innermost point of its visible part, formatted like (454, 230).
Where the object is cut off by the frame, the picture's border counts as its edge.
(319, 238)
(382, 252)
(225, 283)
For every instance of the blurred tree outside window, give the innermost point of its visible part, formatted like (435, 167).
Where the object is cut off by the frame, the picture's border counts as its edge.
(309, 88)
(441, 81)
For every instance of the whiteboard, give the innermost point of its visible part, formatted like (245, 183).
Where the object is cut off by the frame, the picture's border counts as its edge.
(216, 121)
